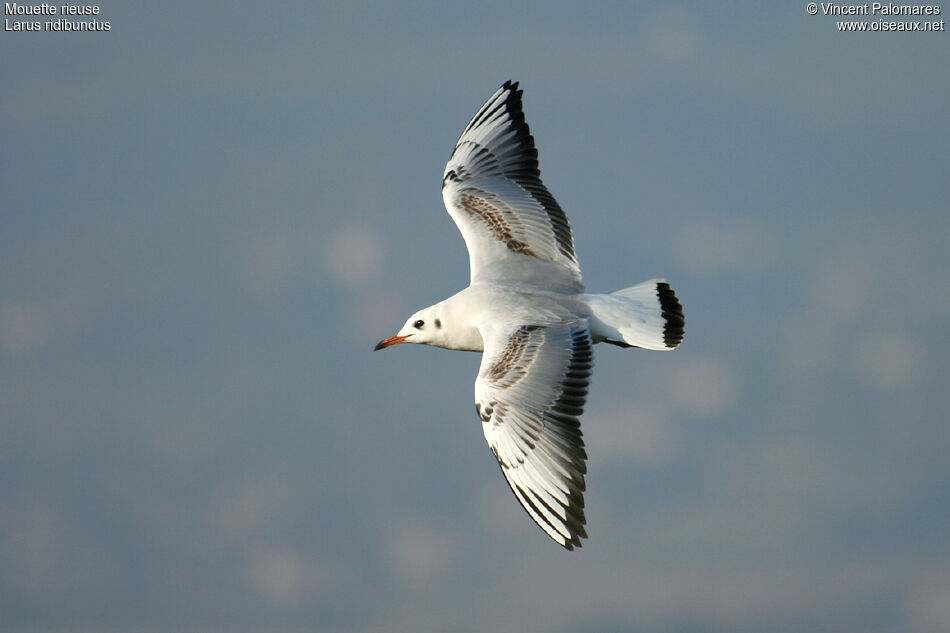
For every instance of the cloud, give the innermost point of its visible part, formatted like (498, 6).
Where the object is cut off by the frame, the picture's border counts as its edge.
(717, 248)
(841, 290)
(927, 605)
(671, 34)
(638, 429)
(45, 556)
(417, 552)
(282, 576)
(705, 387)
(246, 510)
(890, 359)
(354, 255)
(29, 324)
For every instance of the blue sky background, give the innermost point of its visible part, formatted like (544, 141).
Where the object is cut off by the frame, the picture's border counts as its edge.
(212, 212)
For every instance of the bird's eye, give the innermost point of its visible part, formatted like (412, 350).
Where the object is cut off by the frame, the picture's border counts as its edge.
(418, 324)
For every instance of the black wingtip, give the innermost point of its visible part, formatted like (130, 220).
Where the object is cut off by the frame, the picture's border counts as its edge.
(513, 102)
(672, 310)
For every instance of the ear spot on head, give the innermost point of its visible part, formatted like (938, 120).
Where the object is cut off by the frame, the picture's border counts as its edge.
(438, 323)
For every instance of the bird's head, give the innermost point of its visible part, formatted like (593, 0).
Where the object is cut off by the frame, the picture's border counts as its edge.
(425, 326)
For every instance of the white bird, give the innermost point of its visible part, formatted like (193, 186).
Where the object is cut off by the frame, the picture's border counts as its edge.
(526, 310)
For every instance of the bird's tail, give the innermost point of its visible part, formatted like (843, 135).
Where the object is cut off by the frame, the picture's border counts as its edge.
(647, 315)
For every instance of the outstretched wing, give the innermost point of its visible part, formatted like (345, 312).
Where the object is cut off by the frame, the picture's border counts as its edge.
(512, 225)
(530, 391)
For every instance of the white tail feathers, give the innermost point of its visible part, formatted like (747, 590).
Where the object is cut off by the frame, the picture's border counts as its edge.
(647, 315)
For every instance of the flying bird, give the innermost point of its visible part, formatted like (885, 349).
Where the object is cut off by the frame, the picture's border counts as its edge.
(526, 310)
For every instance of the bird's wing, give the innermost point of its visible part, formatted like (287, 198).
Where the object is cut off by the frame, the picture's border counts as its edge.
(530, 391)
(512, 225)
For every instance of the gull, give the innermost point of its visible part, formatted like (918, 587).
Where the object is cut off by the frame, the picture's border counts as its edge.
(526, 310)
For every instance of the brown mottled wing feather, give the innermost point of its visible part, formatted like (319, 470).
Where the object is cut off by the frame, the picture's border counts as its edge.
(513, 227)
(529, 394)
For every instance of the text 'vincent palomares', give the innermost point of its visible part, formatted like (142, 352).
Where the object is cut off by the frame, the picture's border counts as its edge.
(878, 8)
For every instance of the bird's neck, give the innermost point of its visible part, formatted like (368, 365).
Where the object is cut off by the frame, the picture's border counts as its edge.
(460, 332)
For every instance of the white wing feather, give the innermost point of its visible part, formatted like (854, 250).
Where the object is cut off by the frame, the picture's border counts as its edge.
(530, 390)
(513, 227)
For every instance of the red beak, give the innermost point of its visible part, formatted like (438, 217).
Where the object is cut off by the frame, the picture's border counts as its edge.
(392, 340)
